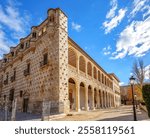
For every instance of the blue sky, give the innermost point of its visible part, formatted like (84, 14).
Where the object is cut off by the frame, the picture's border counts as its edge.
(113, 32)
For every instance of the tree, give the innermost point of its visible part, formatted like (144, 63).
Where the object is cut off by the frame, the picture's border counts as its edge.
(139, 73)
(146, 96)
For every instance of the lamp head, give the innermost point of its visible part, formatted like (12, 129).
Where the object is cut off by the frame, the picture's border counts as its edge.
(132, 80)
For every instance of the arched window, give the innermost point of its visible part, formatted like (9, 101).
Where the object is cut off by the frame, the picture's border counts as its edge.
(95, 73)
(82, 64)
(105, 80)
(51, 19)
(99, 76)
(72, 57)
(102, 78)
(89, 69)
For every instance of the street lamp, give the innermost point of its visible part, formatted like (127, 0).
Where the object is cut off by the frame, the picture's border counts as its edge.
(132, 80)
(136, 100)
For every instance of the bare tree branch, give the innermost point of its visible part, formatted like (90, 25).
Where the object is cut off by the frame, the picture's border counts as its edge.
(139, 72)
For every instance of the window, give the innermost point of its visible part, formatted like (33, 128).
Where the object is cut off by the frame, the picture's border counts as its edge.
(45, 58)
(27, 44)
(34, 35)
(5, 60)
(52, 18)
(13, 78)
(12, 54)
(102, 78)
(6, 81)
(11, 95)
(21, 94)
(28, 67)
(4, 97)
(21, 46)
(7, 76)
(27, 70)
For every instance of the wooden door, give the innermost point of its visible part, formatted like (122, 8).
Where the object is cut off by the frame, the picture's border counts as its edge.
(70, 99)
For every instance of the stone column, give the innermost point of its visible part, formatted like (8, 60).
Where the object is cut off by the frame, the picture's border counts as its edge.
(100, 104)
(102, 100)
(77, 97)
(86, 98)
(97, 99)
(92, 89)
(77, 63)
(114, 101)
(105, 103)
(110, 101)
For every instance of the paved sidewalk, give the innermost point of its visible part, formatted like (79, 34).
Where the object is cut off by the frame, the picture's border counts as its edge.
(123, 113)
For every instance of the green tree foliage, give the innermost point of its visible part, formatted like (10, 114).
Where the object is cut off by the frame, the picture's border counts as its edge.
(146, 96)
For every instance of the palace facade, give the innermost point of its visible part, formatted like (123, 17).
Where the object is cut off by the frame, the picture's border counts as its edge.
(48, 65)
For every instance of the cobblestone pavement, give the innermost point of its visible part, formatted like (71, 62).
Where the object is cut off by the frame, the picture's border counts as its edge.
(123, 113)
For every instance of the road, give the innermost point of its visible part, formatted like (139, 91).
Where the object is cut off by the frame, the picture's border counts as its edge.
(123, 113)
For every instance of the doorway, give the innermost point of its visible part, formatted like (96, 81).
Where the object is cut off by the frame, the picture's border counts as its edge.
(71, 100)
(25, 104)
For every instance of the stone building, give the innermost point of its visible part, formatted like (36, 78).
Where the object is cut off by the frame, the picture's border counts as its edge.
(126, 94)
(48, 65)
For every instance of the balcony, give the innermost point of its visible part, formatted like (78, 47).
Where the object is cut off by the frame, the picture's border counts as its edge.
(26, 72)
(43, 63)
(12, 78)
(6, 82)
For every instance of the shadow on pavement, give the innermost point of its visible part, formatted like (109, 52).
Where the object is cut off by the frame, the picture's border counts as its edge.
(140, 117)
(27, 116)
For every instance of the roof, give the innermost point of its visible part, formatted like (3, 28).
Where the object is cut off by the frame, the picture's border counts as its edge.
(112, 74)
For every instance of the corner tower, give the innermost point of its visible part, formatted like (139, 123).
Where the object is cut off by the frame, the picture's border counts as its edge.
(58, 34)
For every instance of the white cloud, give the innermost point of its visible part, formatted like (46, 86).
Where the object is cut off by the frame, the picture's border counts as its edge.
(137, 6)
(106, 50)
(4, 43)
(76, 26)
(109, 25)
(121, 83)
(11, 18)
(147, 13)
(140, 6)
(16, 23)
(134, 40)
(107, 53)
(111, 13)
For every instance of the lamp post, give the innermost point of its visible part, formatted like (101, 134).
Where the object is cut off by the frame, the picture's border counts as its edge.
(132, 80)
(135, 96)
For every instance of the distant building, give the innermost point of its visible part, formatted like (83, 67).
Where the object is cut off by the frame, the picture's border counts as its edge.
(47, 65)
(126, 94)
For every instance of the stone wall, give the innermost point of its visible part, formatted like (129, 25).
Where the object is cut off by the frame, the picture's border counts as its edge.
(44, 82)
